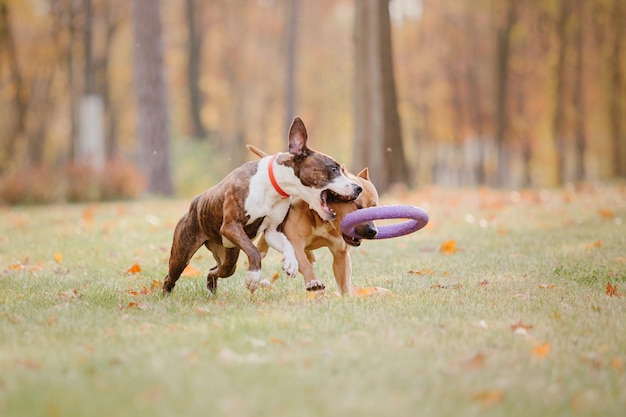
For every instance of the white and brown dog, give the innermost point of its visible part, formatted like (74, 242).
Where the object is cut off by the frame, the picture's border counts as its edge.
(253, 199)
(307, 231)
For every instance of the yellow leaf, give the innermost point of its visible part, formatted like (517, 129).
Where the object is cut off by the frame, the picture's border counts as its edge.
(135, 269)
(542, 351)
(488, 398)
(592, 245)
(421, 272)
(274, 277)
(58, 257)
(365, 292)
(448, 247)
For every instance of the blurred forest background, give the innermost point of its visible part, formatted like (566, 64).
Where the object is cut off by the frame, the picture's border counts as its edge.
(101, 98)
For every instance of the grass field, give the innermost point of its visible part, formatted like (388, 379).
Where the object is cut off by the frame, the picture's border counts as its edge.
(506, 304)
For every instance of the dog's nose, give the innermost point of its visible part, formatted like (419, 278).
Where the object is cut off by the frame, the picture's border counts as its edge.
(366, 230)
(370, 232)
(357, 189)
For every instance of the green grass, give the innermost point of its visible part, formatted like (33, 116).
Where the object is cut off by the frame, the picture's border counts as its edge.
(79, 337)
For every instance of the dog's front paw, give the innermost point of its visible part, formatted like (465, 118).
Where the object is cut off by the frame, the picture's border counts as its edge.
(290, 265)
(315, 285)
(253, 278)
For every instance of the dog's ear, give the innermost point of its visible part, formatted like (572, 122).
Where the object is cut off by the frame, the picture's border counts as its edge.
(297, 138)
(364, 174)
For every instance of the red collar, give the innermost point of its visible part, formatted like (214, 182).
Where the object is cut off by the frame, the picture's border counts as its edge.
(270, 171)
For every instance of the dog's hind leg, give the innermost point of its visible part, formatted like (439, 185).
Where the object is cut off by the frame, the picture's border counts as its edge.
(233, 231)
(184, 245)
(226, 265)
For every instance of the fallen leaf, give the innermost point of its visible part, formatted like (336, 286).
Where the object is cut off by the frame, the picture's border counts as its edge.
(69, 295)
(29, 363)
(606, 213)
(156, 284)
(421, 272)
(592, 245)
(454, 286)
(617, 363)
(191, 271)
(611, 290)
(202, 310)
(520, 328)
(58, 257)
(488, 398)
(275, 277)
(483, 283)
(541, 351)
(365, 292)
(448, 247)
(142, 291)
(88, 214)
(133, 270)
(227, 355)
(546, 286)
(474, 363)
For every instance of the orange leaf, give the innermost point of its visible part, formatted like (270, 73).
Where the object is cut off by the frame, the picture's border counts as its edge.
(611, 290)
(365, 292)
(88, 215)
(488, 398)
(520, 328)
(474, 363)
(156, 284)
(421, 272)
(58, 257)
(617, 363)
(542, 351)
(606, 213)
(448, 247)
(546, 286)
(135, 269)
(191, 271)
(596, 244)
(68, 295)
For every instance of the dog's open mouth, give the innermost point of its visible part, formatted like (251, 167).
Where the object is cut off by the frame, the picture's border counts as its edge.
(329, 196)
(352, 241)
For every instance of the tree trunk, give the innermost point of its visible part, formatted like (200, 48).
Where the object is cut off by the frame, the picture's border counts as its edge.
(502, 78)
(579, 96)
(559, 94)
(378, 140)
(290, 70)
(20, 98)
(112, 23)
(151, 96)
(194, 63)
(617, 110)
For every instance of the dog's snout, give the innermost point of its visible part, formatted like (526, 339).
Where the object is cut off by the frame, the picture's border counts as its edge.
(366, 230)
(357, 189)
(370, 232)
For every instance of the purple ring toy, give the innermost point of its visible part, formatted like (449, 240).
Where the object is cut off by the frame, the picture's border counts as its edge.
(418, 218)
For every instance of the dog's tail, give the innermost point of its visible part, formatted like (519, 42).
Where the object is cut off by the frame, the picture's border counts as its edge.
(257, 151)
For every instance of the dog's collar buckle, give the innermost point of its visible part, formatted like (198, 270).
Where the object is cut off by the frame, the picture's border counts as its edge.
(270, 171)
